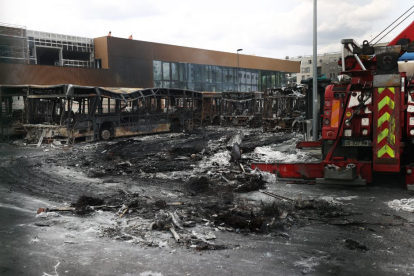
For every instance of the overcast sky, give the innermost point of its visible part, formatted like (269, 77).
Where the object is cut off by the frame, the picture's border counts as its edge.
(270, 28)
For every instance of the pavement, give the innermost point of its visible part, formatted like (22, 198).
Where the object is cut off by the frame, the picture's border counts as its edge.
(363, 236)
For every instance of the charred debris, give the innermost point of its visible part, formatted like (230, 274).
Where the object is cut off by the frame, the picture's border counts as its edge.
(186, 189)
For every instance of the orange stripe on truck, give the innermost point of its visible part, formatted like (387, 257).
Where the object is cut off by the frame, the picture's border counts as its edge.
(335, 113)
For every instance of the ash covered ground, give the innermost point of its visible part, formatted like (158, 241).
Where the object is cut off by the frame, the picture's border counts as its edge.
(189, 204)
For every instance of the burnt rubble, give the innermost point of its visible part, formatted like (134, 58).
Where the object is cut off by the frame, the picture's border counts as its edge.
(185, 189)
(192, 223)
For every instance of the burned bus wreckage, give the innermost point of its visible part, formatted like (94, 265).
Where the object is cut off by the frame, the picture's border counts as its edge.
(211, 109)
(284, 109)
(72, 113)
(242, 109)
(12, 111)
(61, 111)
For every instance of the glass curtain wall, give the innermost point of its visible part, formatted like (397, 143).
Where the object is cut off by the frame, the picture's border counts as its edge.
(211, 78)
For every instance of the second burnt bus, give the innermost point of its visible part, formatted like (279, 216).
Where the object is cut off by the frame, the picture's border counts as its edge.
(127, 112)
(210, 110)
(283, 109)
(241, 109)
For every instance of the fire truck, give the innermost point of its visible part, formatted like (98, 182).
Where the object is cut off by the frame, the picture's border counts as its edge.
(367, 118)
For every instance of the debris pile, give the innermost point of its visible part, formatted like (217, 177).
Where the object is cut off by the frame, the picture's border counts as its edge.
(186, 189)
(354, 245)
(197, 221)
(85, 203)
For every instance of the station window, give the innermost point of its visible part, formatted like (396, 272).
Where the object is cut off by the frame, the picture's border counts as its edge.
(183, 71)
(157, 70)
(174, 71)
(166, 71)
(212, 78)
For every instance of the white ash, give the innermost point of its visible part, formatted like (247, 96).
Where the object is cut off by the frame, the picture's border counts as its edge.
(405, 204)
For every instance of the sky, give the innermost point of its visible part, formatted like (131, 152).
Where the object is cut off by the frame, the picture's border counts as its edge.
(268, 28)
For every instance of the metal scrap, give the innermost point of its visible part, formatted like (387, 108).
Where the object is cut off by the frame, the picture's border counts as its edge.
(277, 196)
(176, 220)
(175, 234)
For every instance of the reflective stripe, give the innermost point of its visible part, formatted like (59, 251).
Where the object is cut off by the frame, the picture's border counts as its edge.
(386, 101)
(386, 123)
(384, 134)
(386, 149)
(384, 118)
(392, 89)
(335, 113)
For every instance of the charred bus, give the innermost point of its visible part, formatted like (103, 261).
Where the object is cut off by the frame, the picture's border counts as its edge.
(241, 109)
(126, 112)
(283, 109)
(70, 112)
(211, 108)
(60, 112)
(12, 111)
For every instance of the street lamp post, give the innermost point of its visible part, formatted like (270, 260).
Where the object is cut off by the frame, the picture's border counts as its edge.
(238, 68)
(315, 115)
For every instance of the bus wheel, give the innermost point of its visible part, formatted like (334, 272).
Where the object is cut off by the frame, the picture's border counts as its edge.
(216, 121)
(105, 134)
(176, 125)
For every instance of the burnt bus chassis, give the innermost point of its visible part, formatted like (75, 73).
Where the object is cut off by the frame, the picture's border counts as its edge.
(11, 119)
(71, 112)
(211, 109)
(147, 111)
(283, 110)
(241, 109)
(52, 112)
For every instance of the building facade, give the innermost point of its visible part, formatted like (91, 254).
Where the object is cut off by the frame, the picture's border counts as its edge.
(327, 66)
(34, 57)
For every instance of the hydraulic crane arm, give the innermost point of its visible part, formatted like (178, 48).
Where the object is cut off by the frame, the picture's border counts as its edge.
(407, 35)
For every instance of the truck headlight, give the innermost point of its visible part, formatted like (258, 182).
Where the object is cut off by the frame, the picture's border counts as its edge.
(365, 132)
(348, 132)
(365, 122)
(412, 121)
(412, 131)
